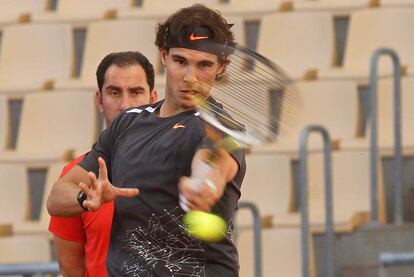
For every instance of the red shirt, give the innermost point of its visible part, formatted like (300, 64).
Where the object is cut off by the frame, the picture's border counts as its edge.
(91, 228)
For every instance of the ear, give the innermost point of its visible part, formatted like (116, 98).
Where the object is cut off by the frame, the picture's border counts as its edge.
(98, 101)
(153, 96)
(221, 68)
(164, 55)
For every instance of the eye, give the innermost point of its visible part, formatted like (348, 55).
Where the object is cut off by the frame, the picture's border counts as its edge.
(137, 92)
(179, 60)
(206, 65)
(113, 92)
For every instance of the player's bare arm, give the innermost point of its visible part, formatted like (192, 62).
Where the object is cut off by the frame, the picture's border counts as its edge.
(71, 257)
(62, 200)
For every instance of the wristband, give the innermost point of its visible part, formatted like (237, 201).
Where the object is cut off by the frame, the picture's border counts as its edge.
(81, 197)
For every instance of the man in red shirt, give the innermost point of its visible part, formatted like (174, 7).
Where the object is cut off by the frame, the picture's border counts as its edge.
(125, 79)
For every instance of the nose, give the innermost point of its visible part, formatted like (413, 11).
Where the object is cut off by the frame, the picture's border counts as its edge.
(190, 75)
(126, 102)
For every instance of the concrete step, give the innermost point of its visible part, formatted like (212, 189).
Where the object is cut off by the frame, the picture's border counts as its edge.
(357, 253)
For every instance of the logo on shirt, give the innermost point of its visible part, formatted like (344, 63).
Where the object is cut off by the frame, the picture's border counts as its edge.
(178, 125)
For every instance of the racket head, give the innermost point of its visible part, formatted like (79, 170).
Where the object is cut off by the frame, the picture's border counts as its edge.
(257, 101)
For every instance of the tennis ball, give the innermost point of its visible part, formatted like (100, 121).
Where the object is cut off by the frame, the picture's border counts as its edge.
(205, 226)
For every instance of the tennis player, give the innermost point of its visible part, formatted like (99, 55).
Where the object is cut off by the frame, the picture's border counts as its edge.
(144, 158)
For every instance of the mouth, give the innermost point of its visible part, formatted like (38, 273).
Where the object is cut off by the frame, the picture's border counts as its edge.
(189, 91)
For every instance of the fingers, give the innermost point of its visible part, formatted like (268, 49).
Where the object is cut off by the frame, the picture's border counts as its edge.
(91, 205)
(85, 188)
(126, 192)
(103, 171)
(92, 180)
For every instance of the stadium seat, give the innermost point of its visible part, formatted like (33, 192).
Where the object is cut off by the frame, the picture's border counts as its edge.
(40, 227)
(283, 37)
(33, 55)
(385, 115)
(52, 125)
(397, 3)
(79, 13)
(160, 9)
(281, 252)
(369, 30)
(351, 193)
(13, 11)
(267, 184)
(252, 9)
(351, 190)
(24, 249)
(14, 199)
(332, 104)
(4, 123)
(125, 35)
(336, 7)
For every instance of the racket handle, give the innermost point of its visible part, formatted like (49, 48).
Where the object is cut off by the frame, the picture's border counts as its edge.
(199, 177)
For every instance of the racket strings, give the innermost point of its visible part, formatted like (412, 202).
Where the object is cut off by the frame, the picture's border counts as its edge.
(256, 95)
(253, 108)
(237, 115)
(247, 61)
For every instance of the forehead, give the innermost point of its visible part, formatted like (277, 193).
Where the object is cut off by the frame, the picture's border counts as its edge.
(193, 55)
(127, 72)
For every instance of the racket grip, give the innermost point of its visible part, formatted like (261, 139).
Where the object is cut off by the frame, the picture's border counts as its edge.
(199, 177)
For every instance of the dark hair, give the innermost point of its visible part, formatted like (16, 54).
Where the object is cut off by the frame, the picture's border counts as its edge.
(124, 59)
(194, 16)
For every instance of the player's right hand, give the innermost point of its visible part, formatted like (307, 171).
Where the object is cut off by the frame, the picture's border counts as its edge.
(101, 190)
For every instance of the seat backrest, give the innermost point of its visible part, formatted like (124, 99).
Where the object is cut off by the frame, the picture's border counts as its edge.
(57, 122)
(385, 94)
(268, 184)
(90, 7)
(14, 196)
(126, 35)
(4, 123)
(174, 5)
(332, 104)
(238, 28)
(11, 9)
(351, 187)
(53, 173)
(370, 29)
(281, 252)
(298, 41)
(24, 249)
(33, 54)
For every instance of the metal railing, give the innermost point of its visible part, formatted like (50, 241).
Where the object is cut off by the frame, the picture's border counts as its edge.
(374, 136)
(303, 180)
(36, 269)
(389, 259)
(257, 235)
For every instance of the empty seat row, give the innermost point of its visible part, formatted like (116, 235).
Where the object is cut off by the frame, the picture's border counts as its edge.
(34, 55)
(23, 240)
(80, 13)
(49, 128)
(52, 126)
(269, 184)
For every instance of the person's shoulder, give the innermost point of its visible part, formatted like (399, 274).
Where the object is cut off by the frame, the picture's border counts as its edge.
(126, 118)
(71, 164)
(142, 110)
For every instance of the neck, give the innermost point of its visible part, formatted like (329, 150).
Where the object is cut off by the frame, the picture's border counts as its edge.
(168, 109)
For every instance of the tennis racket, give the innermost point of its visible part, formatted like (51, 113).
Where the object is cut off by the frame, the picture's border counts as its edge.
(256, 104)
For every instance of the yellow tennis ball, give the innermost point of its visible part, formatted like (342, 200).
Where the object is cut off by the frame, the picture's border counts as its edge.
(205, 226)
